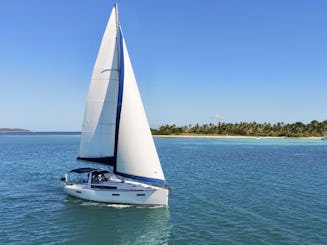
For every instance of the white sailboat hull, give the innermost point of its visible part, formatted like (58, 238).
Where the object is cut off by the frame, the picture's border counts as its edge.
(151, 196)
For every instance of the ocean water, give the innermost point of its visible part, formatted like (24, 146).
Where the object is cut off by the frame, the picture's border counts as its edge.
(225, 191)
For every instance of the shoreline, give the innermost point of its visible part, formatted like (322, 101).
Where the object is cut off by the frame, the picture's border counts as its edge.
(212, 136)
(233, 137)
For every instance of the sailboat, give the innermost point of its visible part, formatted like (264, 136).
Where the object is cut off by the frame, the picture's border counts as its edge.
(116, 132)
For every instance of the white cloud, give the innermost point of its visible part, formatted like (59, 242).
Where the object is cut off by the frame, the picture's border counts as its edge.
(217, 117)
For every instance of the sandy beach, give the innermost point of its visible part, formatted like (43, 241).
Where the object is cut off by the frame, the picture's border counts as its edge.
(232, 137)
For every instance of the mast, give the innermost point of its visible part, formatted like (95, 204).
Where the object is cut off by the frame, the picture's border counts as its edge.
(117, 19)
(120, 51)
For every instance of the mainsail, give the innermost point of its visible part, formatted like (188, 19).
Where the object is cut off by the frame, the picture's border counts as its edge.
(115, 128)
(98, 131)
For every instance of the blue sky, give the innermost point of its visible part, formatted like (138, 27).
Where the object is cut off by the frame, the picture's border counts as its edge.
(195, 61)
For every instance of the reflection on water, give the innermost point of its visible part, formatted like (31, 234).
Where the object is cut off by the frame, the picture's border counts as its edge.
(96, 223)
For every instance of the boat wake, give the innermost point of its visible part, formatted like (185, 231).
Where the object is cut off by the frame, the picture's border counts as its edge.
(110, 205)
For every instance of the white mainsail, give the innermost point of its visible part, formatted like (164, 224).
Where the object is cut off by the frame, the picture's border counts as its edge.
(98, 131)
(115, 124)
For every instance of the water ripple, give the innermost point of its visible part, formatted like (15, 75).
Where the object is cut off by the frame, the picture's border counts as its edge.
(224, 192)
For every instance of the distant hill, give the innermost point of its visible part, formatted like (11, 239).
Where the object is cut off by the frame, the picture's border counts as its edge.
(14, 130)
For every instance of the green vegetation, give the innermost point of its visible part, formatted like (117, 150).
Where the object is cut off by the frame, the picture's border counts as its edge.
(298, 129)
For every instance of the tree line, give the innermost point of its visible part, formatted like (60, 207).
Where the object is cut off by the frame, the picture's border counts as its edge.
(280, 129)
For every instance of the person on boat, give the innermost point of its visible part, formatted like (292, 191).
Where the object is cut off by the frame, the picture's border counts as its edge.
(101, 178)
(95, 178)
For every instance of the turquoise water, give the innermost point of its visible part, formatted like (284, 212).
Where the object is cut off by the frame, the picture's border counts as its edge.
(226, 191)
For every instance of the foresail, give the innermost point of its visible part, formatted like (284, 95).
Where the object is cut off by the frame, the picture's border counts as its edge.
(136, 153)
(98, 131)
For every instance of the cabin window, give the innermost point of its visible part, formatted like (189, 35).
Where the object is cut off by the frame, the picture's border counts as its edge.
(115, 194)
(140, 195)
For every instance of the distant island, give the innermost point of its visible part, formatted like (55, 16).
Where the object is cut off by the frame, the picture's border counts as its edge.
(14, 130)
(252, 129)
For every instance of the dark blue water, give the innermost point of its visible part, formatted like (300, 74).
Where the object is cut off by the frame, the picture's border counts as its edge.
(226, 191)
